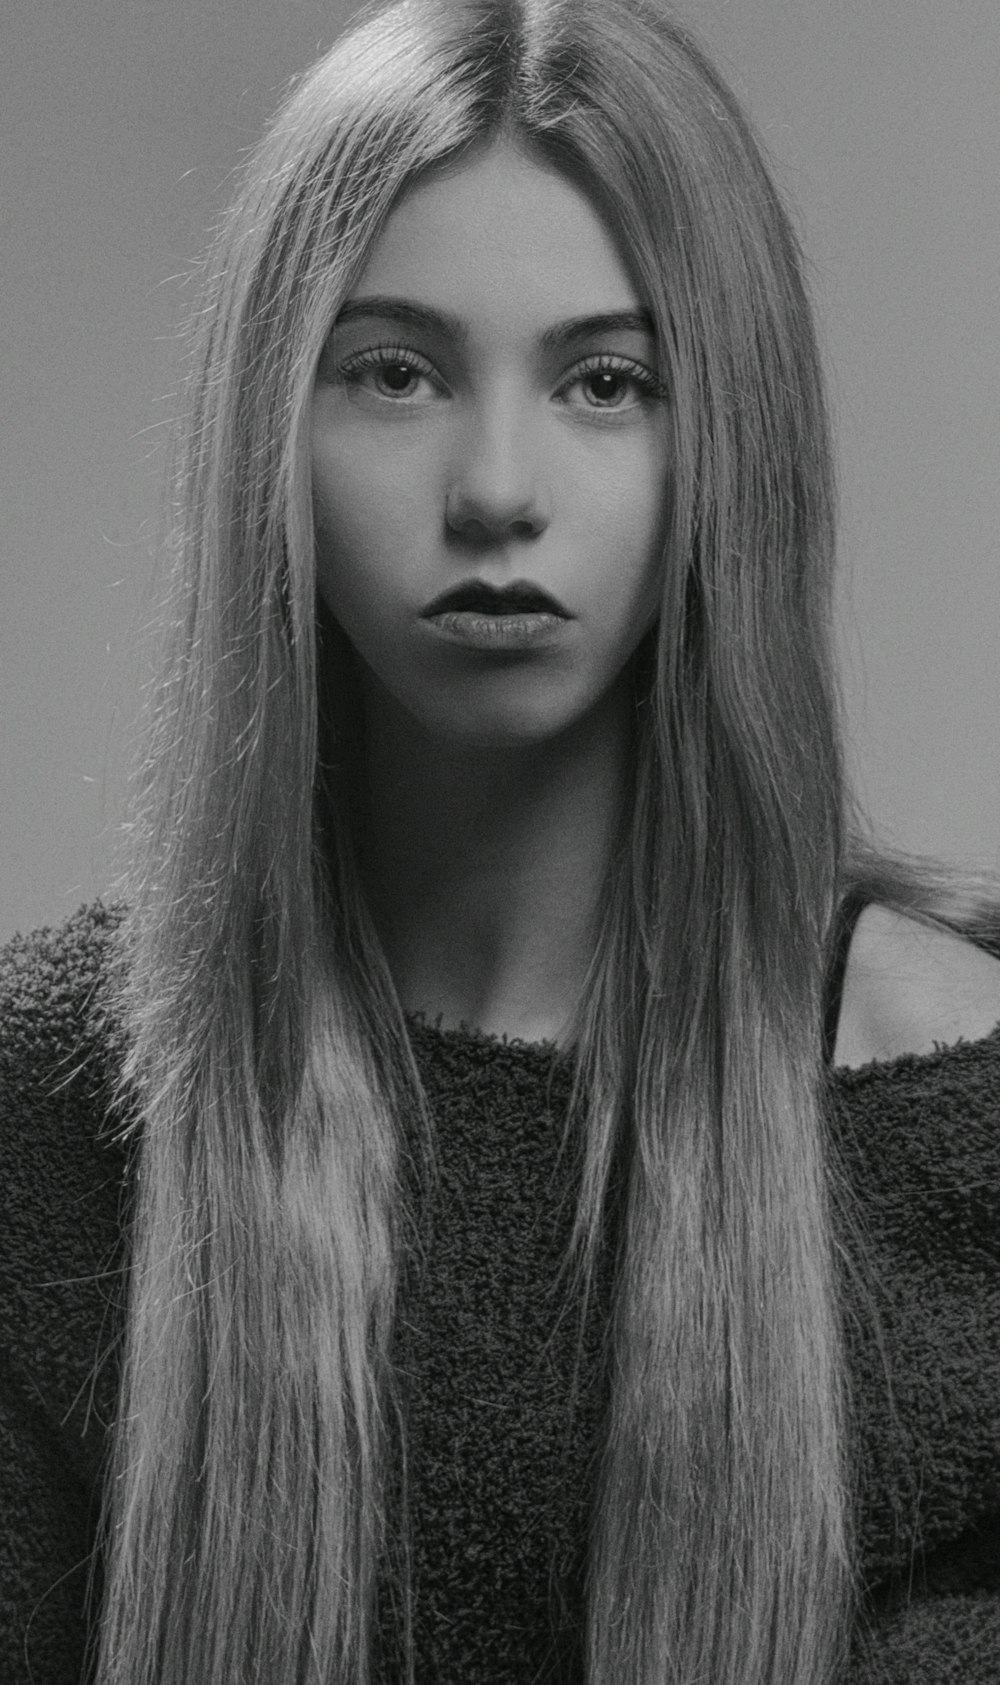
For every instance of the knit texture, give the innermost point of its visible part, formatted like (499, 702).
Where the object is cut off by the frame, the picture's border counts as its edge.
(501, 1465)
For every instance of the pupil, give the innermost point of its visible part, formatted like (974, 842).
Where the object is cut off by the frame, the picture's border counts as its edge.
(605, 383)
(396, 376)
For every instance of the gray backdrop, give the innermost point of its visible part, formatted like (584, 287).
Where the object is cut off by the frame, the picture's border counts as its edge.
(120, 121)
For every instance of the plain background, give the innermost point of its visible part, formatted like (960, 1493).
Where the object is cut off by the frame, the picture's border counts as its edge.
(122, 122)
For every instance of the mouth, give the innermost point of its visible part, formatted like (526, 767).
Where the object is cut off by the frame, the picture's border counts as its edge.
(475, 596)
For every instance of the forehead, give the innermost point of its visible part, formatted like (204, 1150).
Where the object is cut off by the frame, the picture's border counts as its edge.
(501, 240)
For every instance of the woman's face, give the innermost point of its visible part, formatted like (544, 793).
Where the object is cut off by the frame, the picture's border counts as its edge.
(487, 414)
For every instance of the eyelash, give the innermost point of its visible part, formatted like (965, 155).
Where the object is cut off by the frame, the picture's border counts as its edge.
(381, 357)
(388, 355)
(607, 362)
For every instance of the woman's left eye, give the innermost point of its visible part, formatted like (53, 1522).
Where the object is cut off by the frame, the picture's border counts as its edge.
(390, 371)
(612, 383)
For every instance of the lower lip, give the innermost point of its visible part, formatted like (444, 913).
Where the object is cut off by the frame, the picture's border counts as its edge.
(497, 631)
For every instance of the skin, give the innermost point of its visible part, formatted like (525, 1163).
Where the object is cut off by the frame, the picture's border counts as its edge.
(909, 988)
(495, 781)
(495, 784)
(499, 465)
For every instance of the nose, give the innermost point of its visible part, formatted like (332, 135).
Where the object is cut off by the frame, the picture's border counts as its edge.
(496, 489)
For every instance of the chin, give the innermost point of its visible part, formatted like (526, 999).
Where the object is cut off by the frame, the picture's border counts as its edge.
(518, 725)
(490, 716)
(495, 733)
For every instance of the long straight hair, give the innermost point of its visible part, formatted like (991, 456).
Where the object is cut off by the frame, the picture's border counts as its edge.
(270, 1069)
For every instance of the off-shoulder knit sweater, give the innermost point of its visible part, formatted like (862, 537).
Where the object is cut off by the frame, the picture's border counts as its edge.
(500, 1472)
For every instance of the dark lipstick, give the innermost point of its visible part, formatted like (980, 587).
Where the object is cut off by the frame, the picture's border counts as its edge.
(497, 620)
(475, 596)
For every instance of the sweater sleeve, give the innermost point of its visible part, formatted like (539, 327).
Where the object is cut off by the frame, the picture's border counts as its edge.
(945, 1640)
(61, 1182)
(44, 1548)
(943, 1626)
(924, 1153)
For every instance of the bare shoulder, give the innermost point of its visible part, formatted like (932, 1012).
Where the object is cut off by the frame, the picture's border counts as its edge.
(909, 987)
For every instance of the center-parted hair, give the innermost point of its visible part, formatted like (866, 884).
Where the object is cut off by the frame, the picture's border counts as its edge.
(247, 1510)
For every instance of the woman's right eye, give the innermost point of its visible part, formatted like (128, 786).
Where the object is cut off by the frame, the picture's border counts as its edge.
(390, 372)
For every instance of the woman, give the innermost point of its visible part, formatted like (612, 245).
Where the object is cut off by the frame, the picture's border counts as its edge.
(512, 1291)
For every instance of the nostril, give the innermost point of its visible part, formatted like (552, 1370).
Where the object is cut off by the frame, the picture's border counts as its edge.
(484, 527)
(484, 514)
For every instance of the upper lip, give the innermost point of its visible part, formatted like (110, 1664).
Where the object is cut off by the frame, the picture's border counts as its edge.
(478, 597)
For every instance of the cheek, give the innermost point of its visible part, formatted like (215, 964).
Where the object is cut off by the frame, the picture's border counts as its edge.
(649, 528)
(621, 523)
(366, 530)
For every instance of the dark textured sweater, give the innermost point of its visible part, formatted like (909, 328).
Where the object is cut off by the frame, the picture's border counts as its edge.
(500, 1470)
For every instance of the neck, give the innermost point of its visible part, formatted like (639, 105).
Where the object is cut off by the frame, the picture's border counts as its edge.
(484, 867)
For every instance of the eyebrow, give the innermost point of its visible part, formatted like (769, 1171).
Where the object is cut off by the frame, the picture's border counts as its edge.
(422, 317)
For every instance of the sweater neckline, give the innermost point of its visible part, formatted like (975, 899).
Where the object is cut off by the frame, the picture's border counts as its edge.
(472, 1038)
(942, 1055)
